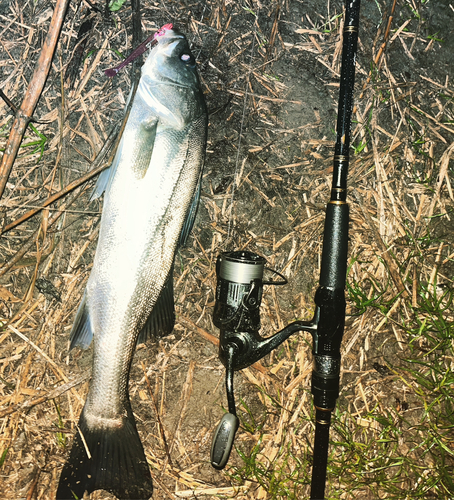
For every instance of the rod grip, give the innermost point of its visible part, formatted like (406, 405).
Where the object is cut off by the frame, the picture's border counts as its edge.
(335, 245)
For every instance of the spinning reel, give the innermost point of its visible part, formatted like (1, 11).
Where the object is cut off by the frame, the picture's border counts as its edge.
(237, 315)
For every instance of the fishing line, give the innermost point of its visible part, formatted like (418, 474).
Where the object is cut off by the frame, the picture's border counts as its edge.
(246, 93)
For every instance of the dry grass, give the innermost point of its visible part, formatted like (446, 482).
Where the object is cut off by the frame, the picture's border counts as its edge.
(266, 184)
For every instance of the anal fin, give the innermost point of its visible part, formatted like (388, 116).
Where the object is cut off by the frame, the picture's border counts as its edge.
(162, 318)
(81, 333)
(192, 213)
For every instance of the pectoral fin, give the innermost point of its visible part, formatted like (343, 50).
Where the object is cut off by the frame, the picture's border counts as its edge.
(102, 182)
(142, 151)
(143, 148)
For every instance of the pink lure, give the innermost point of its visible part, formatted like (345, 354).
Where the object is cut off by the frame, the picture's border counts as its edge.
(147, 44)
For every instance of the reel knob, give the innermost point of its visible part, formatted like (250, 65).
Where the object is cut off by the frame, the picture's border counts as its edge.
(223, 440)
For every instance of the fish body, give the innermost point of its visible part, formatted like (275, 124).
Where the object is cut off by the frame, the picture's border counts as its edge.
(151, 197)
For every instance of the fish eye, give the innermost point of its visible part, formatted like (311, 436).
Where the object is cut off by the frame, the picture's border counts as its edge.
(187, 58)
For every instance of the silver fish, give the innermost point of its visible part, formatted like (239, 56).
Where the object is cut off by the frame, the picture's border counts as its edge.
(151, 198)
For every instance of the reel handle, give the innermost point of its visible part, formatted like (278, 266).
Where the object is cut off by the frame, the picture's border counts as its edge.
(223, 438)
(224, 434)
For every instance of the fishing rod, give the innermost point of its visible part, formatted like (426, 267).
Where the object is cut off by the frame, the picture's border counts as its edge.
(330, 295)
(240, 286)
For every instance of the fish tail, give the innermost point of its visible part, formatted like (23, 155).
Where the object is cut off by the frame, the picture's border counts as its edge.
(116, 464)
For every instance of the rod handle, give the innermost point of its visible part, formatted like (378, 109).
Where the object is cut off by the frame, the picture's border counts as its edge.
(335, 245)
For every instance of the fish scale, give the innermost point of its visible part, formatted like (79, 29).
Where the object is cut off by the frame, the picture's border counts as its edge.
(152, 192)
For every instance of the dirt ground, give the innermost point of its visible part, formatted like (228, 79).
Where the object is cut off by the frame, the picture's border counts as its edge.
(270, 74)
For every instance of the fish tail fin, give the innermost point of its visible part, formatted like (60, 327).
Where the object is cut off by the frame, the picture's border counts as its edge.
(116, 464)
(162, 318)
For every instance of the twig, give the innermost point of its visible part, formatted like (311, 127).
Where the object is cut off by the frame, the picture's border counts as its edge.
(162, 487)
(185, 396)
(37, 349)
(136, 37)
(393, 269)
(97, 167)
(161, 427)
(443, 174)
(31, 241)
(32, 95)
(42, 399)
(8, 101)
(241, 93)
(31, 490)
(274, 31)
(382, 48)
(437, 122)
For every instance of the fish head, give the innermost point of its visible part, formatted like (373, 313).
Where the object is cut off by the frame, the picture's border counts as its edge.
(170, 83)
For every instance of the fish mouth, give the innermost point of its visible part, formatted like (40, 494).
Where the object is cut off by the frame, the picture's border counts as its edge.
(149, 43)
(168, 31)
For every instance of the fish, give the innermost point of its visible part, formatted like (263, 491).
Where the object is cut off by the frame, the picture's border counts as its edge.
(152, 190)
